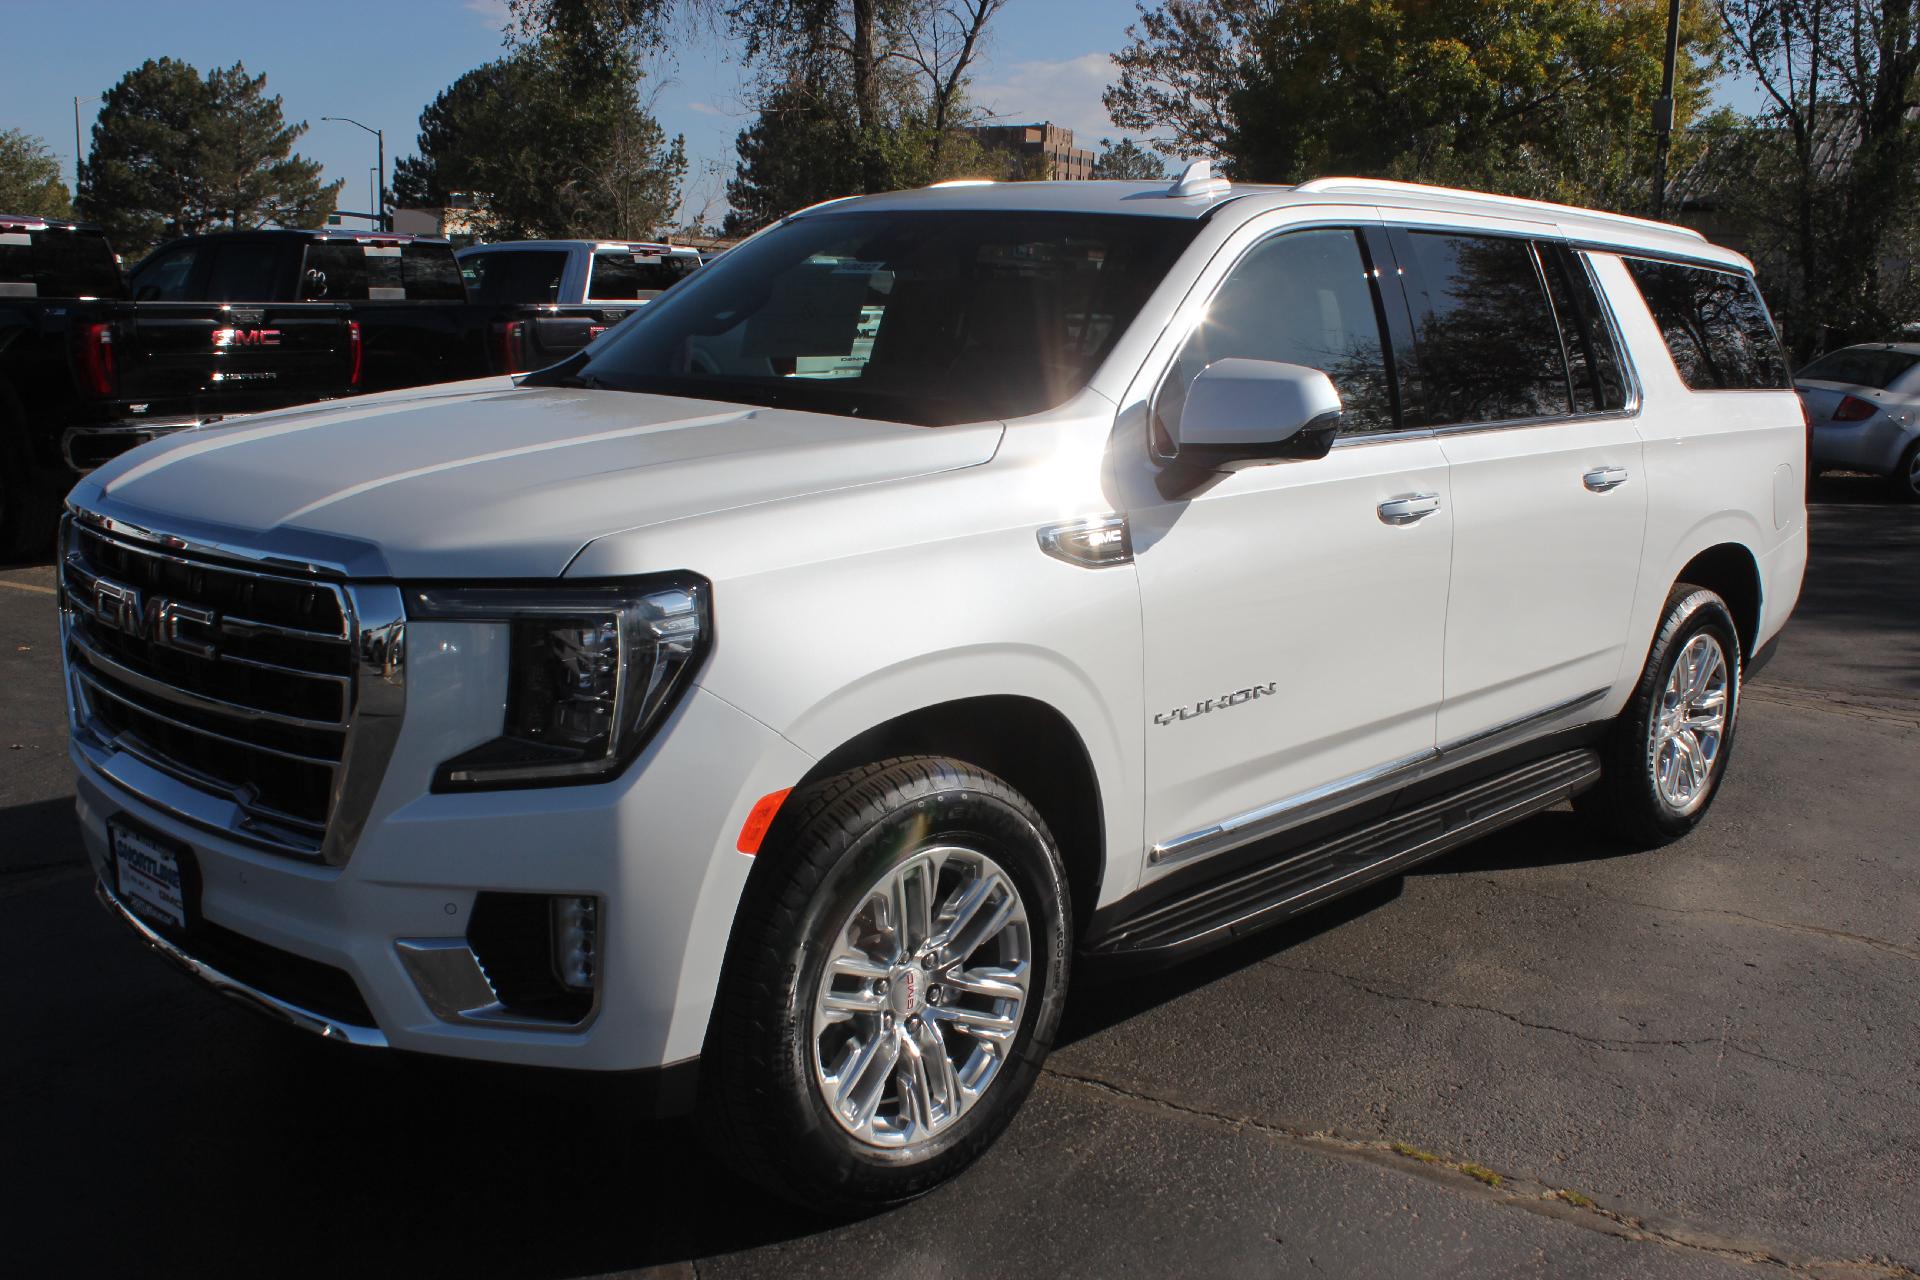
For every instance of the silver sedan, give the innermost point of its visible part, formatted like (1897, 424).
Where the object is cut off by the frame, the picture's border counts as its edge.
(1863, 412)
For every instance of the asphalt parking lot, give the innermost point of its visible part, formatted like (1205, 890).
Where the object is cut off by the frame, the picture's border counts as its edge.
(1537, 1056)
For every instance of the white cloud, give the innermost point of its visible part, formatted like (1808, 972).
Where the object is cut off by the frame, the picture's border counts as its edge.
(1065, 91)
(495, 12)
(705, 109)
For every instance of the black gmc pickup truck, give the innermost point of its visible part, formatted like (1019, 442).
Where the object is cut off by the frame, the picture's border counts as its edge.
(419, 320)
(86, 374)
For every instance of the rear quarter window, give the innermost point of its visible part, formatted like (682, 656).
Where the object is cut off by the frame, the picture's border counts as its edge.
(1715, 325)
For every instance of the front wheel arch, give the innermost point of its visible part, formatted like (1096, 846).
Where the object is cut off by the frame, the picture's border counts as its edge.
(1027, 743)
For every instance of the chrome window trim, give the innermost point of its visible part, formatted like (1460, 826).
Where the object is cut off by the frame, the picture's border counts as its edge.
(1280, 816)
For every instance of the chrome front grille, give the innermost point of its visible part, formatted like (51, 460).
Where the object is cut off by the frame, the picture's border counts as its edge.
(275, 696)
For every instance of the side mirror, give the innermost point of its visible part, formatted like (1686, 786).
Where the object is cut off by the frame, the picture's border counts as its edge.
(1247, 412)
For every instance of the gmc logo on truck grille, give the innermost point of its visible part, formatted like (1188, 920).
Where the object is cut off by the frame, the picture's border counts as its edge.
(246, 337)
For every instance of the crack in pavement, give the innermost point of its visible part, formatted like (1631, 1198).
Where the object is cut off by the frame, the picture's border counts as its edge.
(1526, 1194)
(1813, 930)
(1606, 1043)
(1801, 698)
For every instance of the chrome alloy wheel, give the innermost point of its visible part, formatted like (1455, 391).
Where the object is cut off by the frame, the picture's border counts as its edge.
(921, 996)
(1691, 726)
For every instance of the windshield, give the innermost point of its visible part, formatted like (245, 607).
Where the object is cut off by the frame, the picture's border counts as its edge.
(926, 318)
(1860, 367)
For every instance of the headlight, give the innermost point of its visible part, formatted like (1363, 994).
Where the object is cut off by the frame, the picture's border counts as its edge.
(592, 671)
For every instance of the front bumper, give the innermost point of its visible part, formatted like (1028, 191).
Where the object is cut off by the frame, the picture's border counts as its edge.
(1875, 445)
(656, 847)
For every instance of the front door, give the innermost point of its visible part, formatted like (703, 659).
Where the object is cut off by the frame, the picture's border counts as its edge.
(1294, 613)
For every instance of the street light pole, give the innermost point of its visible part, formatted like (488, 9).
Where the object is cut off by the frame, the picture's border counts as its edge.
(380, 197)
(77, 153)
(1663, 112)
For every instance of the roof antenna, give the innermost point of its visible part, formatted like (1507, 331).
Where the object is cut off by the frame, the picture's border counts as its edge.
(1197, 179)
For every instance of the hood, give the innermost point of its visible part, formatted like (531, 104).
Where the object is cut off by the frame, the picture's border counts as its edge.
(499, 481)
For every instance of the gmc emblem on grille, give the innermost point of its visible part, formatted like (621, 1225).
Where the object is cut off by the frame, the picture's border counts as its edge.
(157, 621)
(246, 337)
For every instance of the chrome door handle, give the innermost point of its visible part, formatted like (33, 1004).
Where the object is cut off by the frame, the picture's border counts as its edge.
(1415, 506)
(1602, 479)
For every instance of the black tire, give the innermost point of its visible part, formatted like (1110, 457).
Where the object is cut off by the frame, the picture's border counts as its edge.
(1905, 480)
(1627, 802)
(832, 842)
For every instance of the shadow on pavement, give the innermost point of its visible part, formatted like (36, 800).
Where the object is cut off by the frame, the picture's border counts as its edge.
(41, 834)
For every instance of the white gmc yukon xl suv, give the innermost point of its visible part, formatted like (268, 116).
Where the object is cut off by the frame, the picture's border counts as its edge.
(947, 587)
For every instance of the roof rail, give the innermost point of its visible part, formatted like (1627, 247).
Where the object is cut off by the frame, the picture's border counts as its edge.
(1198, 179)
(1388, 187)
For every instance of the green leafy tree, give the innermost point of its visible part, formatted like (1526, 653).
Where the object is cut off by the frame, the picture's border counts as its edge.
(1127, 159)
(551, 144)
(1823, 186)
(30, 177)
(177, 153)
(798, 151)
(1545, 98)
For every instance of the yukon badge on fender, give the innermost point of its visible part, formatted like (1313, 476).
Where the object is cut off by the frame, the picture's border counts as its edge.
(1238, 697)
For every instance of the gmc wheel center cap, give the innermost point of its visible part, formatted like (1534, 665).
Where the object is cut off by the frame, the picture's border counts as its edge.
(908, 991)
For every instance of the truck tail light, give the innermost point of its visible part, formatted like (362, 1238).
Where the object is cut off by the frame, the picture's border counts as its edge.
(1854, 409)
(97, 370)
(510, 337)
(355, 353)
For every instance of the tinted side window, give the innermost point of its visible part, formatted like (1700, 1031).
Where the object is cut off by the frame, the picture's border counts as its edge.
(1489, 351)
(1593, 364)
(516, 275)
(1303, 297)
(1714, 323)
(164, 277)
(430, 272)
(246, 272)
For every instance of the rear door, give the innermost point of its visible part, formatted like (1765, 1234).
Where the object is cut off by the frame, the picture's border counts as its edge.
(1523, 386)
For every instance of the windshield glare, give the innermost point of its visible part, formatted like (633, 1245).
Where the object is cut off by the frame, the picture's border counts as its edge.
(926, 318)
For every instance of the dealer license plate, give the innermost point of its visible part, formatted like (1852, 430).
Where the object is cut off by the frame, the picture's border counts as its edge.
(147, 872)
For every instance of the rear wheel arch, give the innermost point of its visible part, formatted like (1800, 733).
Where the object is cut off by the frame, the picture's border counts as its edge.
(1028, 744)
(1730, 571)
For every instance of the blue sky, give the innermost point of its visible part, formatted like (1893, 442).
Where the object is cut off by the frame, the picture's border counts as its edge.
(381, 62)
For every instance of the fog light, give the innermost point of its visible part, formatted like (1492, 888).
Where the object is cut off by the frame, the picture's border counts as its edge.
(576, 942)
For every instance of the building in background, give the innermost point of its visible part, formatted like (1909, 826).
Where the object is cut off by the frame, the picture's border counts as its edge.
(1043, 150)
